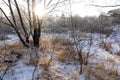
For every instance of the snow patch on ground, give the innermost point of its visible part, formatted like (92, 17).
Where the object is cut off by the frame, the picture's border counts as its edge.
(19, 72)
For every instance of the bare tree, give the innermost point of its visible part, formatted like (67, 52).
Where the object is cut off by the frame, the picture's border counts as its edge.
(34, 21)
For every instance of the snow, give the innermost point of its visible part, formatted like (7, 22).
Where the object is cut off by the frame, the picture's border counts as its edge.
(12, 36)
(19, 72)
(66, 71)
(70, 71)
(115, 47)
(12, 39)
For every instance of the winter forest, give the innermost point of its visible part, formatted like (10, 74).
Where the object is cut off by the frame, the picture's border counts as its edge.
(59, 40)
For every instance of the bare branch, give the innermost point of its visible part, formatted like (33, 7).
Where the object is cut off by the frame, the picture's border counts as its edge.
(5, 3)
(49, 2)
(20, 16)
(105, 6)
(29, 18)
(55, 5)
(12, 14)
(7, 18)
(12, 25)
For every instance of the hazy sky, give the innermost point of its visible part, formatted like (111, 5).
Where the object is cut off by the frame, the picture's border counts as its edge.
(83, 7)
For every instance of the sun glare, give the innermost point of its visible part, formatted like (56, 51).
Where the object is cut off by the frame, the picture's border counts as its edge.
(40, 11)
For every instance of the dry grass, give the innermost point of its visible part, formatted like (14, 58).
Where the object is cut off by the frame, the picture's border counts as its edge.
(45, 75)
(6, 49)
(62, 54)
(45, 44)
(62, 47)
(61, 41)
(14, 46)
(48, 43)
(100, 73)
(45, 61)
(100, 66)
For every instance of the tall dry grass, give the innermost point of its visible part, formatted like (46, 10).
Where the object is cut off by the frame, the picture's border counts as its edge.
(61, 47)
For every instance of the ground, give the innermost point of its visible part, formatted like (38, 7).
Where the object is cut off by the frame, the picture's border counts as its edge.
(59, 59)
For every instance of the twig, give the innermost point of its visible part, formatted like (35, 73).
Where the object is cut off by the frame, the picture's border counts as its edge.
(34, 71)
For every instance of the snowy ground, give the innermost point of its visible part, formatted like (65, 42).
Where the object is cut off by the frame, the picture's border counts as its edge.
(107, 59)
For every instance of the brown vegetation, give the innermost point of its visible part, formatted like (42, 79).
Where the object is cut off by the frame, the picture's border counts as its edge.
(61, 47)
(45, 61)
(100, 73)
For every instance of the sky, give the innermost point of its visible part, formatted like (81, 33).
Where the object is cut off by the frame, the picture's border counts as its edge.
(85, 8)
(82, 7)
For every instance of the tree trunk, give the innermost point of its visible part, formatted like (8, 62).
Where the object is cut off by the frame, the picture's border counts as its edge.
(37, 28)
(27, 39)
(36, 37)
